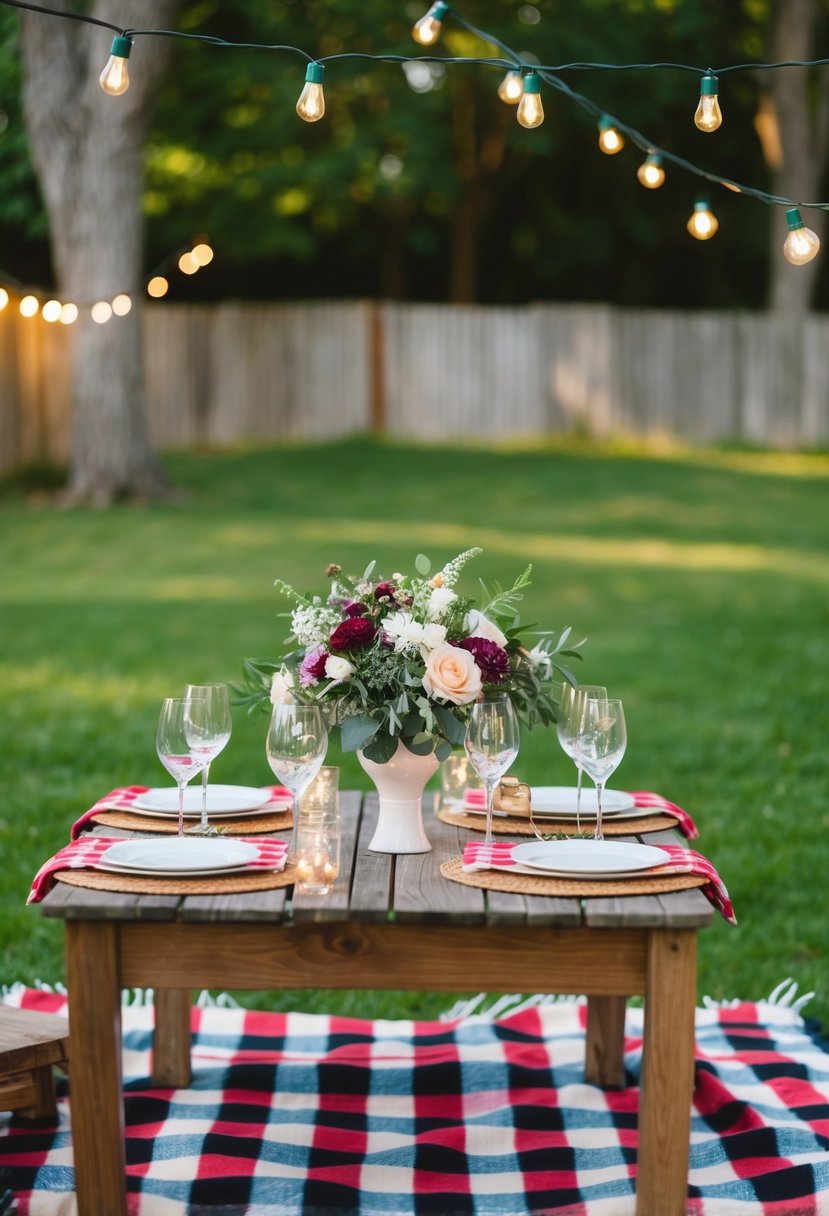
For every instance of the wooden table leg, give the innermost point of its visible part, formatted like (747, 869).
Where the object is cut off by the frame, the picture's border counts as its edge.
(95, 1083)
(604, 1053)
(667, 1074)
(171, 1038)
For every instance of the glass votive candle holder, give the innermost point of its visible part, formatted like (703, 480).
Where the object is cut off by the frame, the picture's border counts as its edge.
(456, 777)
(323, 792)
(318, 851)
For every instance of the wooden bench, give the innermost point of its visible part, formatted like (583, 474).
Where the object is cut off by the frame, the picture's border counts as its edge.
(31, 1045)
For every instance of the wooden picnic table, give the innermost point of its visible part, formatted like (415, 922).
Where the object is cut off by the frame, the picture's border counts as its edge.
(389, 922)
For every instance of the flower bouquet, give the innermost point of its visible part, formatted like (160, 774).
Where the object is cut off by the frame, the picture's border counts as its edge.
(401, 660)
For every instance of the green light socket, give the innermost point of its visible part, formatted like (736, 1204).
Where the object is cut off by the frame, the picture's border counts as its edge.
(439, 10)
(793, 219)
(314, 73)
(532, 82)
(709, 86)
(121, 46)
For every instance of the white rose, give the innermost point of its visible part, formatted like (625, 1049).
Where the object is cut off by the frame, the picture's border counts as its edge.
(338, 669)
(452, 674)
(439, 601)
(433, 635)
(480, 626)
(281, 685)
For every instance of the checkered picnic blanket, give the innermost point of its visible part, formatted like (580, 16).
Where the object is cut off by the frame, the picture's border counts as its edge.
(306, 1115)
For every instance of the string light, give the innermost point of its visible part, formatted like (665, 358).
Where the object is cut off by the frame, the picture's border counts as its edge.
(511, 88)
(187, 264)
(121, 305)
(68, 314)
(427, 30)
(29, 306)
(4, 298)
(708, 116)
(610, 141)
(530, 110)
(101, 312)
(202, 253)
(650, 173)
(51, 310)
(703, 224)
(801, 244)
(115, 78)
(311, 104)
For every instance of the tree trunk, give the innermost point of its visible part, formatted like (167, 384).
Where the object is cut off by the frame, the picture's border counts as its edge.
(88, 152)
(797, 118)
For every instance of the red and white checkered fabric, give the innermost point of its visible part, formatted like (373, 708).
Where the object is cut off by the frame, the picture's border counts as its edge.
(122, 799)
(643, 799)
(478, 855)
(86, 854)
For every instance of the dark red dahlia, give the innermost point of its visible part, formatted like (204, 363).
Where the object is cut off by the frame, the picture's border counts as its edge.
(492, 660)
(354, 608)
(354, 634)
(384, 591)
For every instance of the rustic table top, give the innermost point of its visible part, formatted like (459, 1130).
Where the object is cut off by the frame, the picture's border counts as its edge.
(380, 887)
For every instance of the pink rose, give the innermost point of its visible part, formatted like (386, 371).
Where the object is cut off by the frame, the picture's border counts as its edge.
(452, 674)
(354, 634)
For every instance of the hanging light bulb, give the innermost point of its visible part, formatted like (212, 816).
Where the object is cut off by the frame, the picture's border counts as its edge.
(115, 78)
(121, 305)
(51, 310)
(101, 312)
(157, 286)
(801, 245)
(610, 141)
(703, 224)
(69, 314)
(29, 306)
(530, 110)
(311, 104)
(709, 115)
(650, 173)
(202, 253)
(427, 30)
(4, 298)
(511, 88)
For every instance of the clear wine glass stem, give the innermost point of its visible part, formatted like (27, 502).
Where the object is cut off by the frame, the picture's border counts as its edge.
(490, 795)
(599, 833)
(580, 771)
(182, 786)
(203, 826)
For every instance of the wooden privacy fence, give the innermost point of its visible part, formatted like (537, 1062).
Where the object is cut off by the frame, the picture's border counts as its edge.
(244, 372)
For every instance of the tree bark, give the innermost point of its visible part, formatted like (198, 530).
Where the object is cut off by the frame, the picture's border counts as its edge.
(797, 108)
(88, 153)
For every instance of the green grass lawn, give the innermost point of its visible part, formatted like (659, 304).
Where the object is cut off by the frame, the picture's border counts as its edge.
(701, 581)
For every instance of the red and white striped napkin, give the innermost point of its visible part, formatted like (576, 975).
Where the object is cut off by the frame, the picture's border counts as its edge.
(279, 799)
(86, 854)
(645, 800)
(478, 855)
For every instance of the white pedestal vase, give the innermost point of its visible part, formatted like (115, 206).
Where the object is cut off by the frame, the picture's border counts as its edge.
(400, 784)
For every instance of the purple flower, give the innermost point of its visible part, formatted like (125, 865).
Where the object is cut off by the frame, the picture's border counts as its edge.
(354, 608)
(312, 668)
(354, 634)
(492, 659)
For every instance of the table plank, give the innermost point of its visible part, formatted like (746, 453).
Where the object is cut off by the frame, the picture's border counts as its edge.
(421, 892)
(82, 903)
(373, 875)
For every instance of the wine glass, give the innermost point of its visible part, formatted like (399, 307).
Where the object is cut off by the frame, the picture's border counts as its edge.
(212, 734)
(296, 746)
(568, 714)
(173, 744)
(600, 744)
(492, 744)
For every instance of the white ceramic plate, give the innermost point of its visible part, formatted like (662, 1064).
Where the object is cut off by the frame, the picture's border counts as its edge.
(221, 800)
(589, 858)
(192, 855)
(559, 802)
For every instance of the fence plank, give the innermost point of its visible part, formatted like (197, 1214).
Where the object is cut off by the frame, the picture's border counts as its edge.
(261, 372)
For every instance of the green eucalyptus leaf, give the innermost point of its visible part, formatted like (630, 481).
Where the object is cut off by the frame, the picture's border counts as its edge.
(381, 748)
(443, 750)
(356, 731)
(422, 564)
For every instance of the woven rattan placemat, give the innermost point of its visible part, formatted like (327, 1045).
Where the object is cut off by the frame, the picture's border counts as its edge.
(515, 826)
(229, 826)
(137, 884)
(529, 884)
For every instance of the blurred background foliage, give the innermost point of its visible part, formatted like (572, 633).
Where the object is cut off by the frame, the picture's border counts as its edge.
(419, 184)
